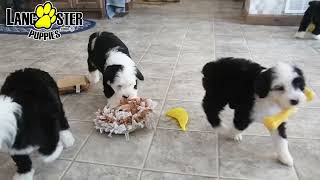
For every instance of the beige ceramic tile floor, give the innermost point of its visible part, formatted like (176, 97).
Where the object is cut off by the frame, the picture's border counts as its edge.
(171, 43)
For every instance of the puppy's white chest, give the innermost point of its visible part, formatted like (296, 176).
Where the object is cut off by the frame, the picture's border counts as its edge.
(262, 109)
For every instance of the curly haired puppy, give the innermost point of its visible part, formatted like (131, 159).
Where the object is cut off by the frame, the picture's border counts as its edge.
(253, 92)
(32, 119)
(311, 16)
(108, 55)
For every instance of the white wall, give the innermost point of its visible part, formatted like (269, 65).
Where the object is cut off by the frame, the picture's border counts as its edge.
(273, 7)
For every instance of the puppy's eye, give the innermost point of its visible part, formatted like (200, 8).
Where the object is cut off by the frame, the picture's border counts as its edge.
(278, 88)
(119, 86)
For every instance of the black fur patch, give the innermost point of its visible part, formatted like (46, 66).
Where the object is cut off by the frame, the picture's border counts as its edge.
(312, 15)
(262, 84)
(315, 7)
(108, 91)
(108, 78)
(298, 70)
(282, 130)
(139, 75)
(104, 43)
(110, 73)
(298, 82)
(23, 162)
(229, 81)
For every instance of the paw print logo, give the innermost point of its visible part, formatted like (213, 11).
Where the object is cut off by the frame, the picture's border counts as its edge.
(46, 14)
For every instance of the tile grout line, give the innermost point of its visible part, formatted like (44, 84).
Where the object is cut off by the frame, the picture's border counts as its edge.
(153, 133)
(102, 164)
(217, 135)
(149, 45)
(205, 131)
(30, 65)
(218, 156)
(235, 178)
(296, 172)
(76, 155)
(214, 39)
(179, 173)
(144, 53)
(284, 51)
(163, 103)
(256, 135)
(246, 42)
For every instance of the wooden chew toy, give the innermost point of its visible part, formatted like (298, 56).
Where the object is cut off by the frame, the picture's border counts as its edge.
(273, 122)
(73, 84)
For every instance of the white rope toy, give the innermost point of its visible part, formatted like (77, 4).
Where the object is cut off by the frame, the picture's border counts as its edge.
(128, 116)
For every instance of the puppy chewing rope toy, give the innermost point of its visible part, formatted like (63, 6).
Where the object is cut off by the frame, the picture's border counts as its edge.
(273, 122)
(181, 115)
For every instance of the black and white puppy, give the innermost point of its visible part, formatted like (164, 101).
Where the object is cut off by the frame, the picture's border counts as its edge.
(254, 92)
(312, 15)
(32, 119)
(109, 55)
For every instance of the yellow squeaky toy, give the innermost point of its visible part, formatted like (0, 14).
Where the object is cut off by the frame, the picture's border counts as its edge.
(311, 27)
(273, 122)
(181, 115)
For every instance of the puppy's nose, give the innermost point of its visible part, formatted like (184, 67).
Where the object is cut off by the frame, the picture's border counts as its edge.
(126, 97)
(294, 102)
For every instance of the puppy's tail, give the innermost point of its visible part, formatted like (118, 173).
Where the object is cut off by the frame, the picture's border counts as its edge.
(92, 40)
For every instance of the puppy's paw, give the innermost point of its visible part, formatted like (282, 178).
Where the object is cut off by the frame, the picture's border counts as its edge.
(237, 138)
(286, 159)
(94, 77)
(317, 37)
(66, 138)
(25, 176)
(54, 155)
(300, 35)
(235, 134)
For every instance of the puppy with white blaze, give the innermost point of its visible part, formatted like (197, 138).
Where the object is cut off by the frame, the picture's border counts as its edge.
(254, 92)
(108, 55)
(32, 119)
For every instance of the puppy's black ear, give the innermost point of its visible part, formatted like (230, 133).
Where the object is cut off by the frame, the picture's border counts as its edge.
(262, 84)
(139, 75)
(107, 90)
(110, 73)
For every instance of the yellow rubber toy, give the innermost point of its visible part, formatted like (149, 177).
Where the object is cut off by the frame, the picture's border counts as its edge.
(311, 27)
(181, 115)
(309, 94)
(273, 122)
